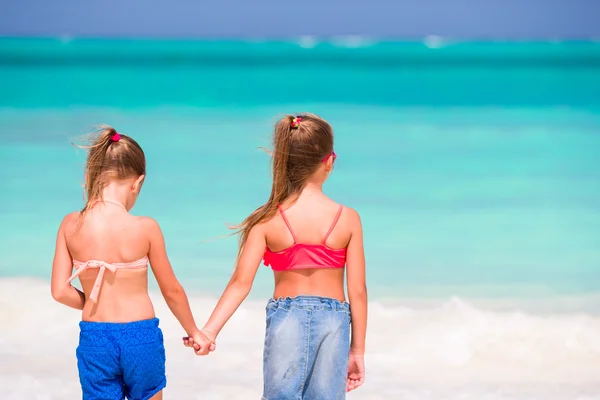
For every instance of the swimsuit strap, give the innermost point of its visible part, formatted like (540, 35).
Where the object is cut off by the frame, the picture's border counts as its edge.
(103, 266)
(335, 220)
(287, 223)
(114, 202)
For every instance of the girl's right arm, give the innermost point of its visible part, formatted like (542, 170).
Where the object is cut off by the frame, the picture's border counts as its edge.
(170, 287)
(62, 290)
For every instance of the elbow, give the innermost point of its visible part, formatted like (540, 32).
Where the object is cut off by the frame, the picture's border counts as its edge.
(358, 292)
(242, 286)
(173, 293)
(58, 293)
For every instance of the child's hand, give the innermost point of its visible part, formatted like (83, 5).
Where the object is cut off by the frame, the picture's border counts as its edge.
(356, 371)
(202, 342)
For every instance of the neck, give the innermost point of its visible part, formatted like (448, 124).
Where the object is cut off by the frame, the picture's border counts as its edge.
(117, 193)
(313, 187)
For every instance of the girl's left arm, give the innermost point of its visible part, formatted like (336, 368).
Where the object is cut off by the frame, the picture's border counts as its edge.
(240, 283)
(357, 284)
(62, 291)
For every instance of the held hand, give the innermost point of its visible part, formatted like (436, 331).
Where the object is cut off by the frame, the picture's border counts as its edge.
(211, 336)
(356, 371)
(202, 342)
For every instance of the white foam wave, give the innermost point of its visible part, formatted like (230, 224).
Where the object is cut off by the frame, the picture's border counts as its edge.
(434, 42)
(308, 41)
(352, 41)
(452, 351)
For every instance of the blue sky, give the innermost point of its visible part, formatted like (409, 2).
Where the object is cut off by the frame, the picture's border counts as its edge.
(279, 18)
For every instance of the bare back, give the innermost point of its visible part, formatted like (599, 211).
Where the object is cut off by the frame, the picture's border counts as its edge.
(311, 218)
(108, 233)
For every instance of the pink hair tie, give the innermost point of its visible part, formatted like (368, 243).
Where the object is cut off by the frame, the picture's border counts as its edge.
(296, 121)
(116, 137)
(330, 155)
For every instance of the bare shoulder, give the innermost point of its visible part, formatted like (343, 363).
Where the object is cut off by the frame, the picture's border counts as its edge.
(352, 218)
(271, 222)
(261, 229)
(69, 222)
(148, 224)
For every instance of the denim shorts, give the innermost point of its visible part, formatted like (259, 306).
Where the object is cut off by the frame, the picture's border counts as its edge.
(121, 360)
(306, 351)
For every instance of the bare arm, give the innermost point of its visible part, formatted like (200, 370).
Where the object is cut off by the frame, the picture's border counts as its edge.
(62, 291)
(357, 286)
(169, 286)
(240, 283)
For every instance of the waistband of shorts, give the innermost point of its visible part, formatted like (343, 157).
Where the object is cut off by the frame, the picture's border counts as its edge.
(118, 326)
(310, 303)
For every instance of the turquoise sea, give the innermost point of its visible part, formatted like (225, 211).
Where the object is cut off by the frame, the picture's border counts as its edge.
(475, 167)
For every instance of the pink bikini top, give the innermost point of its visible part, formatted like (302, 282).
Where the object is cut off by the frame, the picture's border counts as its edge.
(304, 255)
(82, 266)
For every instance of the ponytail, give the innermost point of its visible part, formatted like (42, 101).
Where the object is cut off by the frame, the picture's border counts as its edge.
(94, 166)
(281, 188)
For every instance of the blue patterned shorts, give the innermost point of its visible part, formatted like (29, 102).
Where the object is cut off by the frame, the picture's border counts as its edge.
(118, 360)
